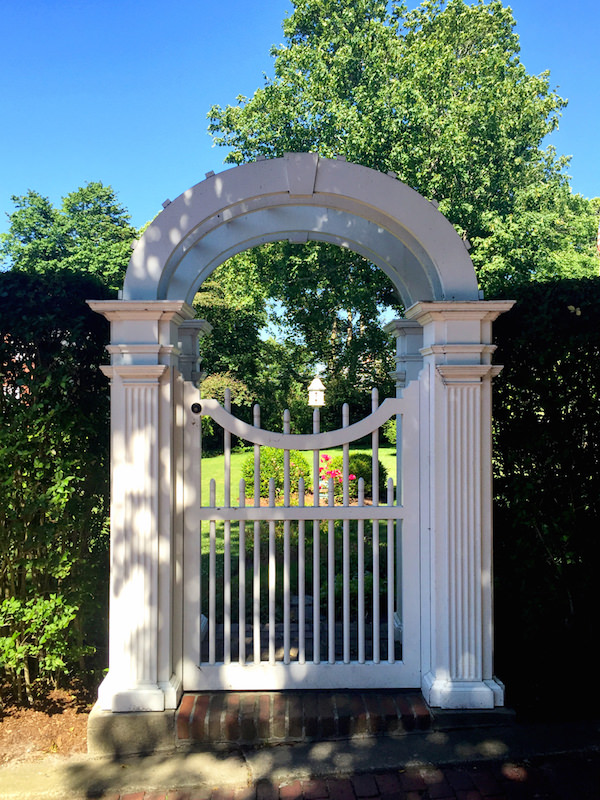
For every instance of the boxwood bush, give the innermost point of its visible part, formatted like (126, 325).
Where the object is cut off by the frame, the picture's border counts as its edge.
(271, 466)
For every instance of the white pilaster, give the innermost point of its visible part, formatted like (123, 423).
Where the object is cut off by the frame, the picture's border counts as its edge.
(456, 526)
(143, 667)
(408, 334)
(189, 363)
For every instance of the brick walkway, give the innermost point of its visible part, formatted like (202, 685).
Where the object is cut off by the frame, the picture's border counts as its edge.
(560, 778)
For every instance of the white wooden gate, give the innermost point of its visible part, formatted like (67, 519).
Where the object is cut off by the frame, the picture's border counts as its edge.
(313, 589)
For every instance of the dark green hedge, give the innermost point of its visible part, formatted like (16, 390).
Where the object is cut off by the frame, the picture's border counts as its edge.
(54, 457)
(547, 494)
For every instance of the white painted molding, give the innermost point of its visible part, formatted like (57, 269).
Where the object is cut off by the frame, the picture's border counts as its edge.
(115, 310)
(457, 694)
(485, 310)
(463, 373)
(135, 373)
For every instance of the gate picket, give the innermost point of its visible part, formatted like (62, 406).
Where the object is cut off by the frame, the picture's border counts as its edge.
(274, 648)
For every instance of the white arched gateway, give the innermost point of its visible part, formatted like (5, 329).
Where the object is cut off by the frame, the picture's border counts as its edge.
(442, 562)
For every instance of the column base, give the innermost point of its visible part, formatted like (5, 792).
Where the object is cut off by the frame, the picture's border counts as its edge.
(148, 697)
(444, 693)
(130, 733)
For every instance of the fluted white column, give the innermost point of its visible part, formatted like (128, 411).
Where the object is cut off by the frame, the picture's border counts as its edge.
(143, 667)
(456, 529)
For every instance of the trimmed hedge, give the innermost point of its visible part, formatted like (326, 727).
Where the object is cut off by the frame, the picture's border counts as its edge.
(271, 466)
(547, 489)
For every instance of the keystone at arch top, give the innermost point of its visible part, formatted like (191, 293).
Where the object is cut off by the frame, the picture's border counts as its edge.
(302, 197)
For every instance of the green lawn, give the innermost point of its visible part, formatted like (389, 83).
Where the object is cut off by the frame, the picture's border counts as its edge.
(213, 467)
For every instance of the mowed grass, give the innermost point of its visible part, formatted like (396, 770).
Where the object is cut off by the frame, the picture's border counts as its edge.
(214, 468)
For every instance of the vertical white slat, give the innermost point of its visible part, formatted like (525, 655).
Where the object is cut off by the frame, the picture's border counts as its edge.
(301, 579)
(361, 575)
(242, 580)
(375, 479)
(286, 545)
(316, 429)
(399, 522)
(194, 550)
(212, 579)
(316, 632)
(346, 538)
(272, 574)
(227, 540)
(316, 550)
(256, 553)
(227, 453)
(331, 578)
(227, 593)
(390, 576)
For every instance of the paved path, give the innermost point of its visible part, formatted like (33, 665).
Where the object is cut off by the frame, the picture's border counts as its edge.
(560, 778)
(547, 762)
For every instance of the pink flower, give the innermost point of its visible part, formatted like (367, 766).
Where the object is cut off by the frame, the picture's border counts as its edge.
(351, 477)
(325, 458)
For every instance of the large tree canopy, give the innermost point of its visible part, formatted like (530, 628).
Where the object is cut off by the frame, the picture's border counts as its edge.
(89, 234)
(438, 95)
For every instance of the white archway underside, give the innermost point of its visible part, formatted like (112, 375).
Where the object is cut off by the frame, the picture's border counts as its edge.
(299, 224)
(300, 198)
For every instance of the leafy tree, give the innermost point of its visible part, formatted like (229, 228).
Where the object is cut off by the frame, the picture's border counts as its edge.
(54, 482)
(215, 386)
(240, 350)
(440, 96)
(233, 300)
(550, 233)
(329, 303)
(89, 234)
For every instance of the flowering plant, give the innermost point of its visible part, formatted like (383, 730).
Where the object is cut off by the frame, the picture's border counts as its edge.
(359, 466)
(326, 471)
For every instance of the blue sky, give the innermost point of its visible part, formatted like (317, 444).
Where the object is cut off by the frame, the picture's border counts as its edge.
(118, 90)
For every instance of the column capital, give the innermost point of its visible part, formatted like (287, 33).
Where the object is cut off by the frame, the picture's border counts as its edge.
(198, 327)
(468, 310)
(466, 374)
(403, 327)
(135, 373)
(143, 332)
(458, 332)
(161, 310)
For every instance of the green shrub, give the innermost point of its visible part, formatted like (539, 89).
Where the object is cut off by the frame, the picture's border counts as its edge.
(38, 640)
(359, 466)
(389, 431)
(271, 466)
